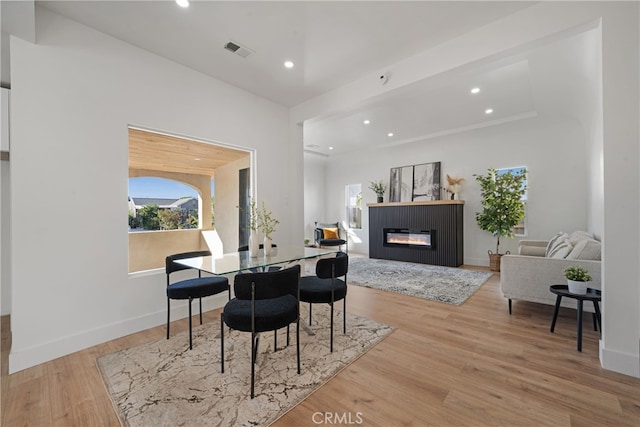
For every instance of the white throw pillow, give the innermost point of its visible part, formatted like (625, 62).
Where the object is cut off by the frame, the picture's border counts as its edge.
(577, 236)
(555, 240)
(561, 250)
(586, 249)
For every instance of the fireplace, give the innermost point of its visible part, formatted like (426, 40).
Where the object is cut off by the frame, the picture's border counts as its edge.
(406, 238)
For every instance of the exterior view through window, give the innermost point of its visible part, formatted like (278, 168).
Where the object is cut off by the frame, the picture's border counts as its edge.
(353, 195)
(163, 204)
(520, 229)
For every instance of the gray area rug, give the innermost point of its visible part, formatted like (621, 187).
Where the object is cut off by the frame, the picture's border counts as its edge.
(444, 284)
(163, 383)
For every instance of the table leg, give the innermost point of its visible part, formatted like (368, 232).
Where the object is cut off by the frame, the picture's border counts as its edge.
(555, 312)
(596, 306)
(579, 325)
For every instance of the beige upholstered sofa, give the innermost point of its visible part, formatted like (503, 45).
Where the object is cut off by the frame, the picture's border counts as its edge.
(539, 264)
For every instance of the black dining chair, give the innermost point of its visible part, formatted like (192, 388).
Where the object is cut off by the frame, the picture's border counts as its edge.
(329, 234)
(327, 287)
(263, 302)
(197, 287)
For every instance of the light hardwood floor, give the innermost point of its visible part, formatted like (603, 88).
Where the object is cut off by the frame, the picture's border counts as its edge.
(444, 365)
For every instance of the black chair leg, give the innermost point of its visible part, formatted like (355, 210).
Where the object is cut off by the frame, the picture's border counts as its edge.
(310, 305)
(331, 345)
(344, 314)
(200, 310)
(253, 361)
(222, 343)
(509, 305)
(190, 337)
(168, 315)
(275, 340)
(298, 342)
(287, 335)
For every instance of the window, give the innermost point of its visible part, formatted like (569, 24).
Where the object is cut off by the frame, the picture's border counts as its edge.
(353, 195)
(161, 204)
(520, 229)
(181, 172)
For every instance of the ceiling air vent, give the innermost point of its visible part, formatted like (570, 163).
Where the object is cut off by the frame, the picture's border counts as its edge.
(238, 49)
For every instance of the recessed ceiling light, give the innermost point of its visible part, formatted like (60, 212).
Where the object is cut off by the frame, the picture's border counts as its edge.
(475, 90)
(288, 64)
(197, 159)
(366, 122)
(330, 148)
(390, 134)
(488, 111)
(183, 3)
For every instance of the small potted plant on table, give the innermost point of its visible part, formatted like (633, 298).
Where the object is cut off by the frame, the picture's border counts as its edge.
(577, 279)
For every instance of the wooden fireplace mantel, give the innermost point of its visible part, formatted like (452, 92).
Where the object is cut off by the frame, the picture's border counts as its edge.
(429, 202)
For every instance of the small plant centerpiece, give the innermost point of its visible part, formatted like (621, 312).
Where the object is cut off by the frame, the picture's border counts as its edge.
(379, 188)
(267, 224)
(578, 279)
(254, 244)
(502, 206)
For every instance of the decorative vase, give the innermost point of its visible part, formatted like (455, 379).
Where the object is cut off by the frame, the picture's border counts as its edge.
(380, 199)
(254, 245)
(578, 288)
(267, 246)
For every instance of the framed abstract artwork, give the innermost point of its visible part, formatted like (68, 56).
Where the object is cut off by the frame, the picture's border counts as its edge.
(415, 183)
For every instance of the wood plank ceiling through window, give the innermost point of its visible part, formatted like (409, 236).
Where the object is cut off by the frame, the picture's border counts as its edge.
(158, 152)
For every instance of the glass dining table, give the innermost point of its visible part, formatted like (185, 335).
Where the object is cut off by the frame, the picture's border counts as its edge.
(236, 262)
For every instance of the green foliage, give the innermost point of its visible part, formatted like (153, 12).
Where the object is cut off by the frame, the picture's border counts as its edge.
(170, 219)
(578, 274)
(502, 205)
(149, 217)
(213, 215)
(266, 221)
(134, 221)
(378, 187)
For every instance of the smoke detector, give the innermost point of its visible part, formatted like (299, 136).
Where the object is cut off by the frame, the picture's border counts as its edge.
(238, 49)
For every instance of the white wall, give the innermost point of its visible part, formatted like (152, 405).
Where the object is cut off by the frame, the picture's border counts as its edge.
(226, 202)
(5, 211)
(73, 96)
(314, 194)
(612, 144)
(554, 192)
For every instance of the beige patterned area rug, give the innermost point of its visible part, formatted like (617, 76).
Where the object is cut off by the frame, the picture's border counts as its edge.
(163, 383)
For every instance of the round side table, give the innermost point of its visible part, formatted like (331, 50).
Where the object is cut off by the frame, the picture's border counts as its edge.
(592, 295)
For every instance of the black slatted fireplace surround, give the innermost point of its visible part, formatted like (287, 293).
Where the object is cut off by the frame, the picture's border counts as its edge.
(423, 232)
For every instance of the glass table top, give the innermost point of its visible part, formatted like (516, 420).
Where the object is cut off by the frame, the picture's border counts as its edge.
(239, 261)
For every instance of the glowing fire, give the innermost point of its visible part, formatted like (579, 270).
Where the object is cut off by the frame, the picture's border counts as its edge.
(409, 239)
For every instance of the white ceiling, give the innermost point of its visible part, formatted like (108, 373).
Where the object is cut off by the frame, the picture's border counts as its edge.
(332, 44)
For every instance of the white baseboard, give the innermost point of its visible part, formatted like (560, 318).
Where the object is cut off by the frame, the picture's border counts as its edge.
(480, 262)
(628, 364)
(32, 356)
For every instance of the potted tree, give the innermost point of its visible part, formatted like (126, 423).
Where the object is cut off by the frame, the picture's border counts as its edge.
(502, 206)
(577, 280)
(379, 188)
